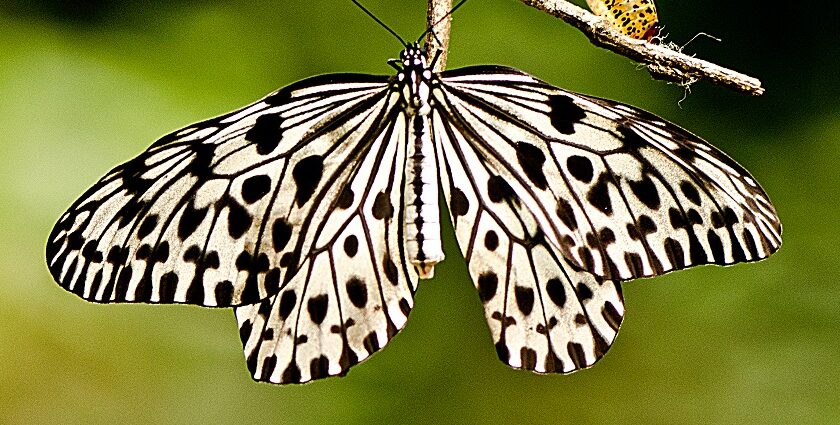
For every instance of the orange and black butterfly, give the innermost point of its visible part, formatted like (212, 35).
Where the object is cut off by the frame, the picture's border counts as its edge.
(634, 18)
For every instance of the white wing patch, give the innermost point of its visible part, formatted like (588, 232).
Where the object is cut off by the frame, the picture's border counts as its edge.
(355, 288)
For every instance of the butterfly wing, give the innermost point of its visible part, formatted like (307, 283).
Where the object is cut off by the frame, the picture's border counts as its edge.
(355, 288)
(622, 193)
(544, 315)
(556, 196)
(225, 211)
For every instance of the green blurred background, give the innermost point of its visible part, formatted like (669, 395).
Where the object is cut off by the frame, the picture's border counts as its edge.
(84, 87)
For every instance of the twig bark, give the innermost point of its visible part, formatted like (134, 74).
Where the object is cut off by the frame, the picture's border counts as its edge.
(662, 62)
(438, 18)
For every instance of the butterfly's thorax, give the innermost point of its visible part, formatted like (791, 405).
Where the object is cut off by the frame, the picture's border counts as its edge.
(422, 213)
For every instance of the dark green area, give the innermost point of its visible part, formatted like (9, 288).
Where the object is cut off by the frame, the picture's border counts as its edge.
(84, 87)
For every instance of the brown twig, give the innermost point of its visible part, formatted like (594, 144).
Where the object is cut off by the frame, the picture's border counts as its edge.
(437, 17)
(662, 62)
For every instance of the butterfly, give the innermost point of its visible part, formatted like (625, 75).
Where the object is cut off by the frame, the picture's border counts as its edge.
(314, 212)
(633, 18)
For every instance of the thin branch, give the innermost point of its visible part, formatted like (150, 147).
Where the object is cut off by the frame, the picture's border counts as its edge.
(662, 62)
(438, 38)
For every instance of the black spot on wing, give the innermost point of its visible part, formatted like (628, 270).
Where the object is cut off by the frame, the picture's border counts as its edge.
(606, 236)
(281, 232)
(502, 351)
(566, 214)
(200, 165)
(532, 159)
(577, 354)
(488, 282)
(345, 200)
(553, 363)
(524, 299)
(611, 315)
(121, 288)
(224, 293)
(678, 220)
(371, 343)
(307, 174)
(645, 191)
(404, 307)
(564, 113)
(599, 195)
(459, 203)
(191, 218)
(583, 292)
(694, 217)
(729, 216)
(317, 308)
(129, 211)
(351, 245)
(529, 358)
(491, 240)
(391, 272)
(239, 220)
(266, 133)
(148, 225)
(245, 331)
(319, 367)
(716, 245)
(632, 141)
(499, 190)
(287, 303)
(255, 187)
(168, 286)
(690, 192)
(556, 292)
(646, 225)
(382, 207)
(675, 253)
(357, 292)
(580, 168)
(291, 375)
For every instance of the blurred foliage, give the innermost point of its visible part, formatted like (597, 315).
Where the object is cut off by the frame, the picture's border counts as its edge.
(85, 85)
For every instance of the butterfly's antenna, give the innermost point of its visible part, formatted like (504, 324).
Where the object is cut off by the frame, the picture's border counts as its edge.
(369, 13)
(432, 27)
(698, 35)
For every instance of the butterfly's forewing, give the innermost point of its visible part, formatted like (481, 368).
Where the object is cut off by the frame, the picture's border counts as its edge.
(543, 314)
(555, 195)
(622, 193)
(222, 212)
(355, 288)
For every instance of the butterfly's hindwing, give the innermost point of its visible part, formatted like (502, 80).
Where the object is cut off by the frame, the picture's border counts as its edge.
(621, 193)
(218, 213)
(543, 314)
(355, 288)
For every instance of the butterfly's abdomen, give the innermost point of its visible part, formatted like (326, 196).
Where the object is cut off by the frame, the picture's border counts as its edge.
(422, 213)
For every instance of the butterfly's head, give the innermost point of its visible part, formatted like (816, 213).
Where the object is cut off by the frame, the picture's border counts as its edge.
(413, 57)
(415, 76)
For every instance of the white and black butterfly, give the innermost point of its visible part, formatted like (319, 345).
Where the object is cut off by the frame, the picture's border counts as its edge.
(315, 212)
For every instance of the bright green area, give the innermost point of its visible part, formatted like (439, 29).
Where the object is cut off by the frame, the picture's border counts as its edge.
(83, 88)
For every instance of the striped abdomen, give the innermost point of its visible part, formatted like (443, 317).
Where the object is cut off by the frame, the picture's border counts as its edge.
(422, 212)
